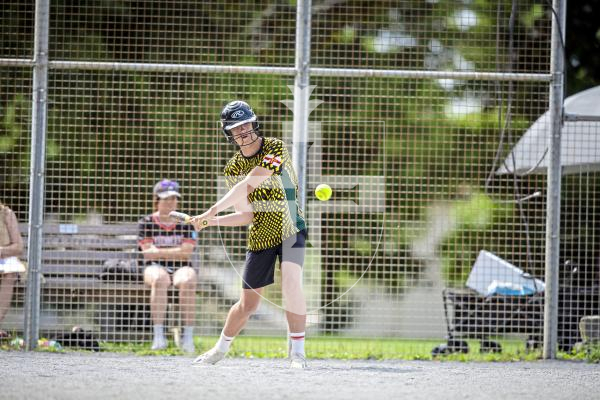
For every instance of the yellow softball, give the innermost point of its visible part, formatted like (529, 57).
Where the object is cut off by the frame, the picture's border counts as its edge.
(323, 192)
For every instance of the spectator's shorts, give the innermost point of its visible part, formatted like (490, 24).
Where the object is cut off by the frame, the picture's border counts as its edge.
(171, 267)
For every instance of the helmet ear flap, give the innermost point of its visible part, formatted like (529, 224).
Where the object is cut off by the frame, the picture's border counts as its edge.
(227, 134)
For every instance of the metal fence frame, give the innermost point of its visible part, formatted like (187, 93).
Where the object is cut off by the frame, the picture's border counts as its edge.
(302, 71)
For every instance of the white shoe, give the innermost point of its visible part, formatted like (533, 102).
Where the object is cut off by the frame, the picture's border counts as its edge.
(188, 346)
(298, 361)
(211, 357)
(159, 343)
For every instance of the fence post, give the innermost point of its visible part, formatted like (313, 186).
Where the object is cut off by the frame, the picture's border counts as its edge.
(36, 182)
(554, 180)
(301, 95)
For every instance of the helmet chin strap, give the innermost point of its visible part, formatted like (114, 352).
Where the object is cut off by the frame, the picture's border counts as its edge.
(251, 143)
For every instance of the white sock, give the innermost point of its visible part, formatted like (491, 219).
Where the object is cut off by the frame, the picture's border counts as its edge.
(159, 331)
(224, 343)
(188, 333)
(297, 340)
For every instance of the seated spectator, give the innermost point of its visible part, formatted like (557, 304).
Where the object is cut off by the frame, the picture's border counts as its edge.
(167, 246)
(11, 245)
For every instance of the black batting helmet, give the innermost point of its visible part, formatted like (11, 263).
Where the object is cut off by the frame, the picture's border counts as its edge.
(237, 113)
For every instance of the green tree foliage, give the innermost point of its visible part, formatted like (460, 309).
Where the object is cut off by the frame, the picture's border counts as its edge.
(436, 136)
(582, 45)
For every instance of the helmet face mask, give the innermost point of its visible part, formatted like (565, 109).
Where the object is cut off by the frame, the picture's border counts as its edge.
(241, 132)
(237, 113)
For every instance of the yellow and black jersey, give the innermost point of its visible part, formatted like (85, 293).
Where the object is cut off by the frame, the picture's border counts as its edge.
(277, 214)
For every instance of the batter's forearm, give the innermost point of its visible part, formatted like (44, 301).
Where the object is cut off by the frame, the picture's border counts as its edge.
(235, 219)
(239, 193)
(236, 195)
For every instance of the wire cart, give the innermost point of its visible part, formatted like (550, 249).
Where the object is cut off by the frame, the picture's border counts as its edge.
(470, 315)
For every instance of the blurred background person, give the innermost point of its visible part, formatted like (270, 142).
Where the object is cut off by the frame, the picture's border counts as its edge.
(167, 247)
(11, 245)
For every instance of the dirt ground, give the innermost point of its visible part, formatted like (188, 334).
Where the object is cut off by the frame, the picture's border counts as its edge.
(36, 375)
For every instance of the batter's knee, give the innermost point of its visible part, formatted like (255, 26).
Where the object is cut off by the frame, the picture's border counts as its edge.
(248, 307)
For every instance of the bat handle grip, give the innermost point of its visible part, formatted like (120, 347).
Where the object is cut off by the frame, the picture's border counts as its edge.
(179, 216)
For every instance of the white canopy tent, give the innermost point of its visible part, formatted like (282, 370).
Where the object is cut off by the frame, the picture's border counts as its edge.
(580, 141)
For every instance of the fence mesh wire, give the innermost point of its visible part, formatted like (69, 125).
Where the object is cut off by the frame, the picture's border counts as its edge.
(424, 194)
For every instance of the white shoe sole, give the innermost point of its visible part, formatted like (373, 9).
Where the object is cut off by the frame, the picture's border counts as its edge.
(298, 362)
(208, 359)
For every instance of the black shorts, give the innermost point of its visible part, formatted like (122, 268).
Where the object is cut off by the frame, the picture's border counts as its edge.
(259, 270)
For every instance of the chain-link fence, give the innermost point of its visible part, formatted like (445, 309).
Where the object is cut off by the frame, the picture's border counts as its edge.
(420, 120)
